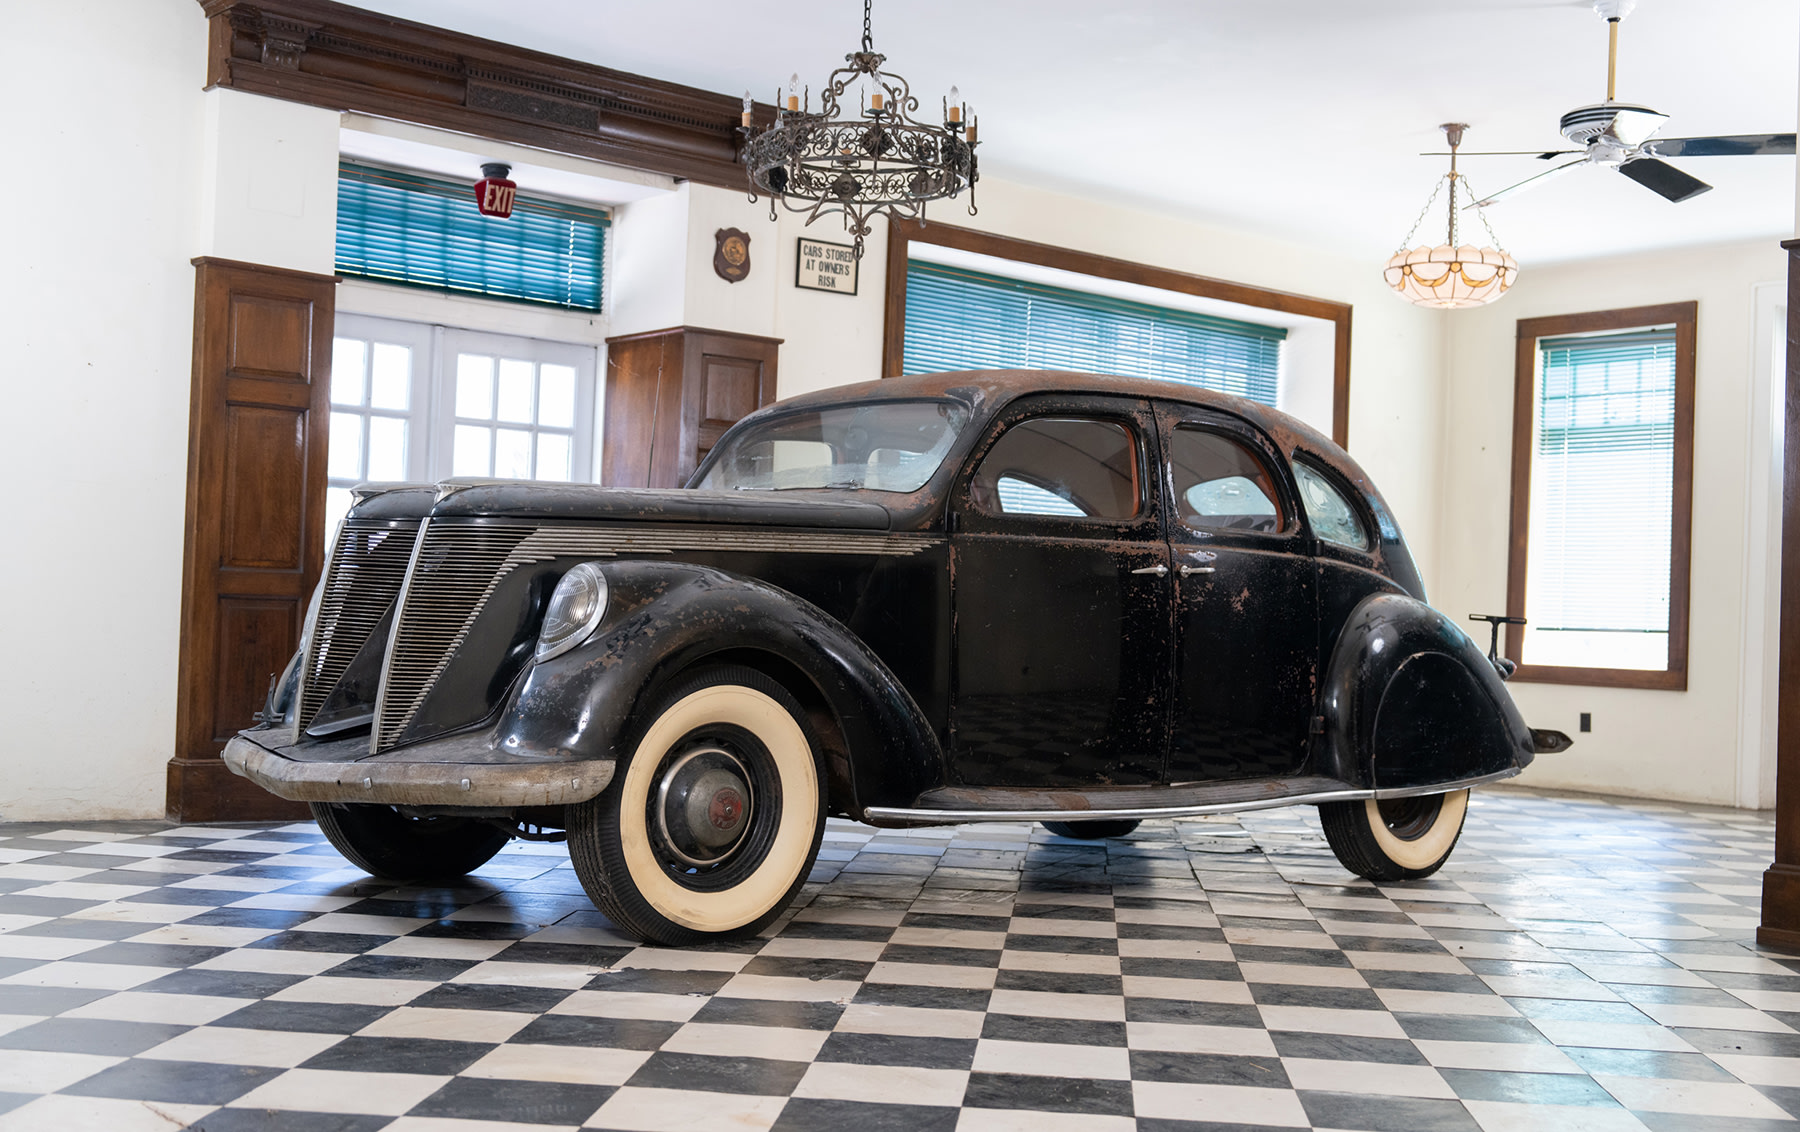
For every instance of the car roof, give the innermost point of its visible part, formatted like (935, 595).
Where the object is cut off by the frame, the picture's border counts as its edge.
(988, 391)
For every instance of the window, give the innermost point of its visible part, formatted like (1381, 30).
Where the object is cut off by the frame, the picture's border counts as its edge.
(961, 319)
(1220, 484)
(1602, 487)
(1332, 517)
(886, 446)
(1071, 468)
(402, 228)
(422, 403)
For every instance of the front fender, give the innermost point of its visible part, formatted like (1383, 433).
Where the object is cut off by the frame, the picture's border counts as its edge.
(1410, 701)
(665, 617)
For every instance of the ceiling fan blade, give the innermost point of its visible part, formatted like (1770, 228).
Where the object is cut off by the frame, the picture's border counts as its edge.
(1731, 145)
(1511, 189)
(1633, 125)
(1537, 153)
(1664, 179)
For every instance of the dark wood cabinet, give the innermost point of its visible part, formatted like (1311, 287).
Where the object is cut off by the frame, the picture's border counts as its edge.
(256, 485)
(670, 395)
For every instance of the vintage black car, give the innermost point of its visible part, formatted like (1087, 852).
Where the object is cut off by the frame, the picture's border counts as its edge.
(1078, 600)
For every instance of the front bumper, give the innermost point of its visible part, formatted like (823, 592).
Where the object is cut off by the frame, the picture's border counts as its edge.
(458, 771)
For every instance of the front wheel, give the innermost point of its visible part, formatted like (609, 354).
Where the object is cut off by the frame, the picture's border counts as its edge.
(714, 823)
(384, 842)
(1395, 839)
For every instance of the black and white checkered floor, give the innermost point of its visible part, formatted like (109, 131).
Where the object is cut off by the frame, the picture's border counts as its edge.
(1581, 964)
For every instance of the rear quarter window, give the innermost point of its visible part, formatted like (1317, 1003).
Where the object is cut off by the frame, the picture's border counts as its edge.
(1334, 519)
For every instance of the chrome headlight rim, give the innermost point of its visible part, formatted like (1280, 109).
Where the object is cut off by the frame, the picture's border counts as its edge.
(576, 608)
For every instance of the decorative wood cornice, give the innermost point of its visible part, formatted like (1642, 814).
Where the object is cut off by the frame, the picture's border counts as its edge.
(344, 58)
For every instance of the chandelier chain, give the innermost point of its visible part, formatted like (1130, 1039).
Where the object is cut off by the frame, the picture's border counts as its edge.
(868, 33)
(1436, 189)
(1482, 213)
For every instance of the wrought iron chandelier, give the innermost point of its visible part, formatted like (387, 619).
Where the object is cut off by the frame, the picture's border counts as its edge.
(1451, 274)
(883, 160)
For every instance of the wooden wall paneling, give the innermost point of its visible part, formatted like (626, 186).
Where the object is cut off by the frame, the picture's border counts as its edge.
(1780, 925)
(731, 376)
(345, 58)
(257, 425)
(670, 395)
(900, 236)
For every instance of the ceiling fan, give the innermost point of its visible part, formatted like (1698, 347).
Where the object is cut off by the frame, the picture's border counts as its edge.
(1621, 135)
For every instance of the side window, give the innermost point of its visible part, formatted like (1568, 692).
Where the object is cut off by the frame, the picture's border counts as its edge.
(1220, 483)
(1332, 517)
(1072, 468)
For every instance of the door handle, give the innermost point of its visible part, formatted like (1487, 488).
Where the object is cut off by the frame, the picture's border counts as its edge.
(1187, 570)
(1159, 570)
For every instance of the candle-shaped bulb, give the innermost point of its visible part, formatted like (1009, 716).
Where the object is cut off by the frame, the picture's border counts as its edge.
(794, 92)
(749, 105)
(969, 134)
(955, 114)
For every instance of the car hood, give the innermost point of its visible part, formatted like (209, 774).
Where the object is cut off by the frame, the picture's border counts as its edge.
(510, 499)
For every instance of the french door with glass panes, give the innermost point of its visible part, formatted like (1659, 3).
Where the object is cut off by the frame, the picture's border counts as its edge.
(415, 402)
(515, 408)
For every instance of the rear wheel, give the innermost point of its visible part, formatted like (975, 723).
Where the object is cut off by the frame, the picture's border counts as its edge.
(714, 823)
(384, 842)
(1395, 839)
(1090, 830)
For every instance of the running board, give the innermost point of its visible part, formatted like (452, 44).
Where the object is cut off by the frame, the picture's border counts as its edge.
(949, 805)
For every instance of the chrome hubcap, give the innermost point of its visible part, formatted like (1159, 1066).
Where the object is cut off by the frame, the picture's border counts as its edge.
(704, 806)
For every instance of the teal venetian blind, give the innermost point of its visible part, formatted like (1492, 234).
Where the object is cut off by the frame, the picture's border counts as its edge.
(1602, 498)
(961, 319)
(402, 228)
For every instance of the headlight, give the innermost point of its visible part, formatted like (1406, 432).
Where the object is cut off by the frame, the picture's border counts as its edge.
(575, 610)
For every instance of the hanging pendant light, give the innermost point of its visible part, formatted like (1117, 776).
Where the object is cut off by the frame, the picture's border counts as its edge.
(860, 162)
(1452, 274)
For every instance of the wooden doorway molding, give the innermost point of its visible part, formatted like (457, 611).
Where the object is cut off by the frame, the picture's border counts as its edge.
(1781, 882)
(258, 414)
(902, 235)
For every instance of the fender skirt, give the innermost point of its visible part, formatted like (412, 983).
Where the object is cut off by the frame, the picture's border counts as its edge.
(1411, 701)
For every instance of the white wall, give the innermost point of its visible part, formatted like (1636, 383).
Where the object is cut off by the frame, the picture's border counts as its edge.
(144, 171)
(97, 310)
(1682, 745)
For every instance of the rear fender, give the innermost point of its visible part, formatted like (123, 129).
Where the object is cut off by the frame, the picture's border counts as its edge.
(1411, 701)
(666, 617)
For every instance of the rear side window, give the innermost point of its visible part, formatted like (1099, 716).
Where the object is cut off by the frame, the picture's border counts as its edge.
(1332, 517)
(1079, 469)
(1220, 484)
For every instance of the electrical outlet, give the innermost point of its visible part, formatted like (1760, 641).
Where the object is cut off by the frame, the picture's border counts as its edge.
(1587, 721)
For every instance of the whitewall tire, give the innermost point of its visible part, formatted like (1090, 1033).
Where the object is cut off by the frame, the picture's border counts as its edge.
(1397, 839)
(714, 822)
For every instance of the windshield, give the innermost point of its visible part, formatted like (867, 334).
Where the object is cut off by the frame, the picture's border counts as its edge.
(886, 446)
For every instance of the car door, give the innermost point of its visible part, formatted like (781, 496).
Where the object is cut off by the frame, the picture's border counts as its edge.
(1061, 623)
(1245, 596)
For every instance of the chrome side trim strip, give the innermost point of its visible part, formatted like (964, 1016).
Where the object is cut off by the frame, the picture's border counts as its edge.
(1460, 784)
(898, 814)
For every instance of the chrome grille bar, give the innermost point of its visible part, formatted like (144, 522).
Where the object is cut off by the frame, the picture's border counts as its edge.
(367, 568)
(454, 570)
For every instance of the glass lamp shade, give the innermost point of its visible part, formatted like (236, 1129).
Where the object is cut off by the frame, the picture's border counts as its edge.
(1463, 276)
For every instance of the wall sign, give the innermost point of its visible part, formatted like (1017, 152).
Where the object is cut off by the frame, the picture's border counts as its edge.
(819, 266)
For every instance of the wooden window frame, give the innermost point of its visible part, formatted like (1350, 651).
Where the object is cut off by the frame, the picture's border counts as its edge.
(1685, 317)
(902, 236)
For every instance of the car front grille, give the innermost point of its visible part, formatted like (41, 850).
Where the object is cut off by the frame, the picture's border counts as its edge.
(368, 566)
(456, 569)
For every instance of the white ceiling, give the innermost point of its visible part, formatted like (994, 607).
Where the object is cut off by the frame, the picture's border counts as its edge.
(1300, 119)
